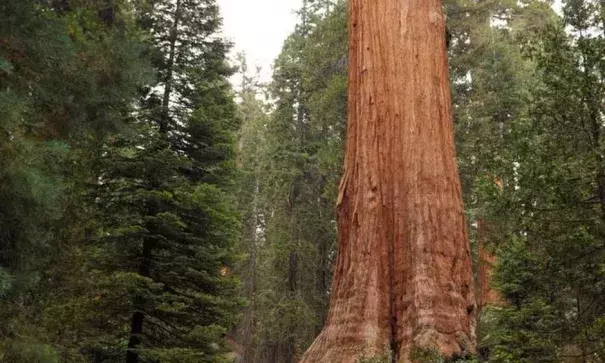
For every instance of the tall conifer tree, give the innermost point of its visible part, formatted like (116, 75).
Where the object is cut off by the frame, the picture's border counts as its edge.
(169, 226)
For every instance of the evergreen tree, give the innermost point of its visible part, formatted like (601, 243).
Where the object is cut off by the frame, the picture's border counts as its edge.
(551, 270)
(490, 82)
(300, 170)
(169, 229)
(252, 135)
(67, 75)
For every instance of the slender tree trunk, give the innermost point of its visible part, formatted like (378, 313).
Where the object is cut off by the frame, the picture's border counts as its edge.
(165, 116)
(289, 353)
(486, 294)
(250, 312)
(323, 267)
(403, 275)
(295, 233)
(136, 329)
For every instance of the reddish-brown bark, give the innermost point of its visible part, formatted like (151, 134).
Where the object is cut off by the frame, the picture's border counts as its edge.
(486, 294)
(403, 274)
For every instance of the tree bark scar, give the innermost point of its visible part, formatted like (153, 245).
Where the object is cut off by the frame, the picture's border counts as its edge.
(343, 187)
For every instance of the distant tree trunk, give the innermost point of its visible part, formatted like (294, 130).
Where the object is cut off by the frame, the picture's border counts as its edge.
(486, 294)
(138, 316)
(322, 275)
(403, 277)
(242, 336)
(289, 352)
(107, 13)
(174, 36)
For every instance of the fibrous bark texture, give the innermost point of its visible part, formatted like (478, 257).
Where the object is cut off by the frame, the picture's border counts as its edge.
(403, 277)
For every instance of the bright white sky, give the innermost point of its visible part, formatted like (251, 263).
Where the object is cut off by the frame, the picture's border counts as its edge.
(259, 27)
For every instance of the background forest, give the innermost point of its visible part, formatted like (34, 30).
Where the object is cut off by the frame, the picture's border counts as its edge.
(152, 212)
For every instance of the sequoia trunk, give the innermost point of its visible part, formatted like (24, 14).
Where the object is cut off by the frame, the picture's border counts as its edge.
(403, 277)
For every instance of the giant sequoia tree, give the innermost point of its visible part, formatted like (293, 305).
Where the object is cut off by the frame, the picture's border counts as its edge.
(403, 275)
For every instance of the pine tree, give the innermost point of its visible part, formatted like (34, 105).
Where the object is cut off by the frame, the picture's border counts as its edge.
(165, 244)
(67, 76)
(300, 166)
(251, 141)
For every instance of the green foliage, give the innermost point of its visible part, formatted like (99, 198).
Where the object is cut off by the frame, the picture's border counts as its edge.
(167, 226)
(6, 282)
(550, 213)
(87, 178)
(28, 352)
(294, 174)
(61, 85)
(385, 357)
(426, 356)
(419, 355)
